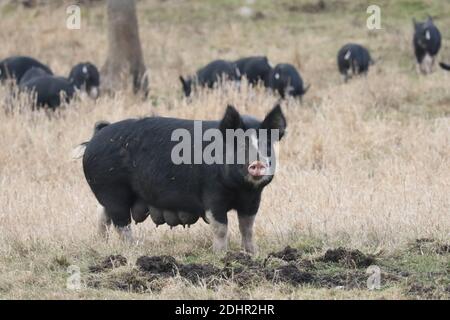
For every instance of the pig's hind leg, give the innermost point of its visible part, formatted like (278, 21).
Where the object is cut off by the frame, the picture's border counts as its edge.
(117, 201)
(104, 221)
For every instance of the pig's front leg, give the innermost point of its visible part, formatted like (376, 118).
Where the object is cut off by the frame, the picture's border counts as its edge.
(219, 225)
(246, 223)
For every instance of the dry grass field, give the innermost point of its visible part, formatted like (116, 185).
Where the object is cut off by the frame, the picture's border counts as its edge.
(365, 165)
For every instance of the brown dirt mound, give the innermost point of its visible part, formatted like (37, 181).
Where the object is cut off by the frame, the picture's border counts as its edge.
(422, 291)
(351, 279)
(195, 273)
(350, 258)
(305, 264)
(290, 274)
(110, 262)
(239, 268)
(248, 277)
(241, 258)
(244, 276)
(287, 254)
(430, 246)
(132, 281)
(129, 280)
(165, 265)
(443, 249)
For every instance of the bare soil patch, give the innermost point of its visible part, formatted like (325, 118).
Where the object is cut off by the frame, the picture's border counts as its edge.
(285, 266)
(350, 258)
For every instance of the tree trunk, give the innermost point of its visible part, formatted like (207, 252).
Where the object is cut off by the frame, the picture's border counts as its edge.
(125, 62)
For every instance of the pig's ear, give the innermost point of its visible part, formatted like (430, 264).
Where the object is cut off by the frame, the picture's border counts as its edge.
(231, 120)
(275, 120)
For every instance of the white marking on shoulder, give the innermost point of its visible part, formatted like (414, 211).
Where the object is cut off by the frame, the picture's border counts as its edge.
(277, 76)
(427, 35)
(85, 69)
(347, 55)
